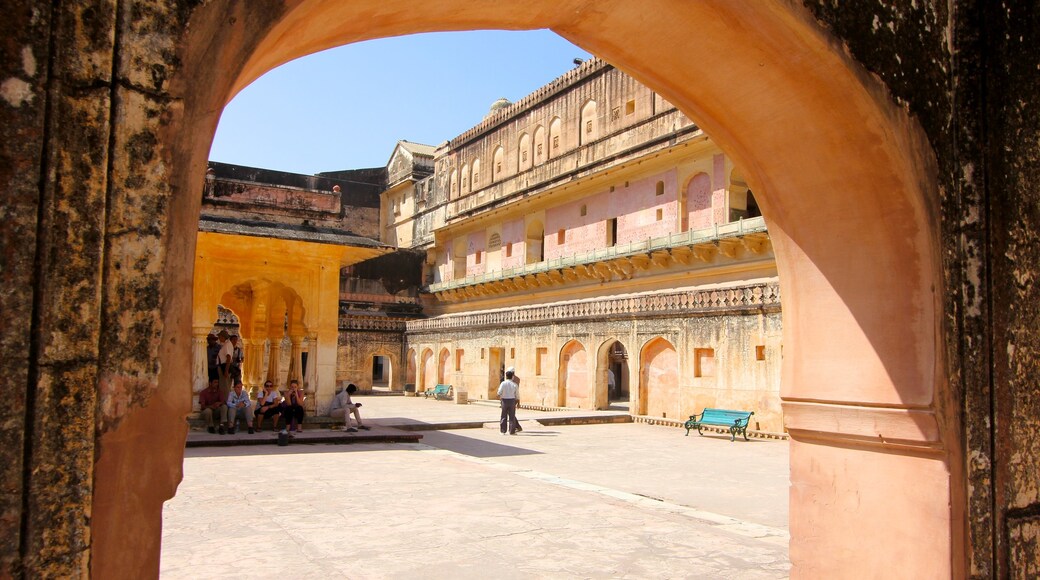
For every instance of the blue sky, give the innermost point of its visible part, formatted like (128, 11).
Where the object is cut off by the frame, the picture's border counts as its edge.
(345, 108)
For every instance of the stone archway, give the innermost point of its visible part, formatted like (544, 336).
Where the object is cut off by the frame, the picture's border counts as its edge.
(428, 371)
(573, 385)
(658, 379)
(611, 369)
(788, 82)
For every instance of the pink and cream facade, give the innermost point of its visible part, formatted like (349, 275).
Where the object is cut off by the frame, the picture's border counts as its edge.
(593, 237)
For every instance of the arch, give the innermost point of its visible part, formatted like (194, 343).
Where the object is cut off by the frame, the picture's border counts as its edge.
(658, 379)
(410, 373)
(588, 123)
(474, 181)
(453, 184)
(498, 164)
(862, 329)
(555, 143)
(427, 372)
(465, 184)
(611, 363)
(387, 374)
(697, 212)
(523, 153)
(538, 146)
(740, 201)
(573, 386)
(442, 366)
(534, 242)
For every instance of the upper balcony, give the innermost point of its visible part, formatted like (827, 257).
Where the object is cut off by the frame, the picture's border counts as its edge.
(658, 133)
(617, 262)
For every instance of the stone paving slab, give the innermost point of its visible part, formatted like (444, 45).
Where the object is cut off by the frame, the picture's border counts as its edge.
(395, 419)
(597, 501)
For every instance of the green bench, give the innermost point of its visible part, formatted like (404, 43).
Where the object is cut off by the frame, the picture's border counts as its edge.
(737, 421)
(438, 392)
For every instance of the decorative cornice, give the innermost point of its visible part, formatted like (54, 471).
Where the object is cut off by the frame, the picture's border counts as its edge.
(676, 304)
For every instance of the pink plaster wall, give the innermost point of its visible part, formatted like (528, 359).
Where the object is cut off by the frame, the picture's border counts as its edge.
(638, 204)
(661, 378)
(698, 202)
(635, 208)
(476, 243)
(513, 233)
(576, 371)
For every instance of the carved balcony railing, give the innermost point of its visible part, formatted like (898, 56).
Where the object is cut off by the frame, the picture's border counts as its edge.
(757, 297)
(621, 261)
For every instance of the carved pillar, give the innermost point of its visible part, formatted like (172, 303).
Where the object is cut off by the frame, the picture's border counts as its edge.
(273, 356)
(253, 365)
(295, 359)
(199, 364)
(310, 380)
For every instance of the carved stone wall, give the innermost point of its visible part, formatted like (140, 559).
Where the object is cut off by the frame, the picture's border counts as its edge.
(741, 326)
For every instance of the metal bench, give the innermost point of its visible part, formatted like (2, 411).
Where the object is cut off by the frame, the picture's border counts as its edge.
(438, 392)
(737, 421)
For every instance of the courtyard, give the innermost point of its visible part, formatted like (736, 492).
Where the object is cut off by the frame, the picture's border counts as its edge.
(623, 500)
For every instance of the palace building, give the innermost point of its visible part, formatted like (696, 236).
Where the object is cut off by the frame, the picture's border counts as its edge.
(590, 235)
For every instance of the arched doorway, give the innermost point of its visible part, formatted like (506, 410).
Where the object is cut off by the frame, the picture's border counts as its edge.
(659, 379)
(442, 367)
(573, 384)
(612, 376)
(410, 370)
(848, 352)
(429, 371)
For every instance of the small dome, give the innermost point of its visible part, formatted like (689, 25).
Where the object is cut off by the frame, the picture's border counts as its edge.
(499, 104)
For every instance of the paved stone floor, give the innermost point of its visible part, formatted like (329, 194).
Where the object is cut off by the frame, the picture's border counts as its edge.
(582, 501)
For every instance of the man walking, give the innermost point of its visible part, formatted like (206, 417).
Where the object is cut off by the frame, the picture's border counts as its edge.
(509, 395)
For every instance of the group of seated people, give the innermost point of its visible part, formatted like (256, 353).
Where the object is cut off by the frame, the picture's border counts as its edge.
(227, 414)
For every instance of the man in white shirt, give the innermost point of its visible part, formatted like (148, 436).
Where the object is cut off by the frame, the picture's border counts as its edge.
(342, 407)
(509, 396)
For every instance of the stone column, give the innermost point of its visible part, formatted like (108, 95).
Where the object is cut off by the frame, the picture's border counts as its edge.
(310, 379)
(253, 365)
(295, 359)
(273, 357)
(199, 364)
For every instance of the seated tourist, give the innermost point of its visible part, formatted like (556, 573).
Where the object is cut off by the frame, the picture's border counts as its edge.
(268, 405)
(292, 410)
(212, 410)
(342, 407)
(239, 407)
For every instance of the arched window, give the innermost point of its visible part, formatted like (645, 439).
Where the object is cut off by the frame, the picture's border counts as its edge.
(453, 184)
(588, 129)
(498, 164)
(464, 186)
(474, 182)
(555, 137)
(539, 145)
(524, 153)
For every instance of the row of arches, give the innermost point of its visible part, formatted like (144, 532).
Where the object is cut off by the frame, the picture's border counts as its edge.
(584, 377)
(533, 148)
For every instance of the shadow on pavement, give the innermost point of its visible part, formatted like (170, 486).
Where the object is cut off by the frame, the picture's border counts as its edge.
(475, 447)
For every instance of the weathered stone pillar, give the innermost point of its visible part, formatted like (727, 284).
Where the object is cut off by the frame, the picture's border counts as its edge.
(252, 365)
(295, 359)
(199, 363)
(310, 380)
(273, 356)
